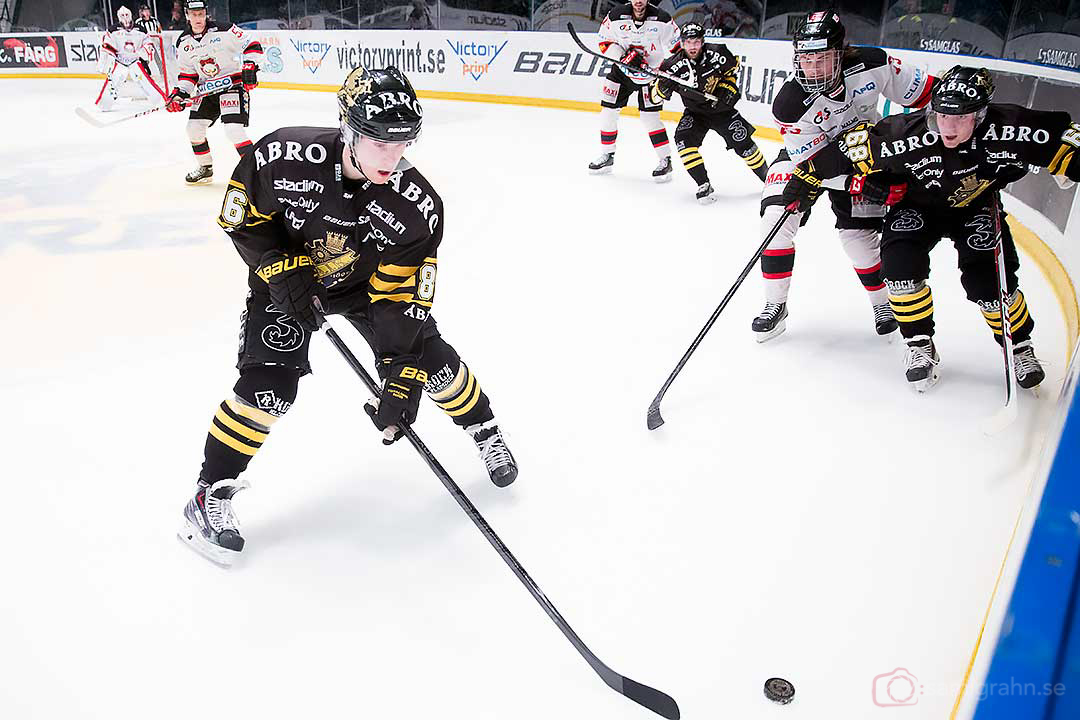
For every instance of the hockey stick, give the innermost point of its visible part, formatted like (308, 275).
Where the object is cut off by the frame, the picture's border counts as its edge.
(1007, 414)
(639, 69)
(85, 114)
(655, 700)
(654, 419)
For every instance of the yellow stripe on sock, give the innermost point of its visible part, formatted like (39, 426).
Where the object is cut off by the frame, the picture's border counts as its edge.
(230, 441)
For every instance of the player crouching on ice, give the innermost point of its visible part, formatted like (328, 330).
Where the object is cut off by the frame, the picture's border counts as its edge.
(368, 254)
(126, 54)
(947, 167)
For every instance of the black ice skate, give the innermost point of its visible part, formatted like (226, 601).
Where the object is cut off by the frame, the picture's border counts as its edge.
(770, 322)
(921, 363)
(210, 525)
(501, 466)
(705, 193)
(1029, 371)
(200, 176)
(603, 164)
(662, 173)
(884, 321)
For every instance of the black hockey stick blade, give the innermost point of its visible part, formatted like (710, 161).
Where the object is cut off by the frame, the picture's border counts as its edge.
(655, 419)
(659, 702)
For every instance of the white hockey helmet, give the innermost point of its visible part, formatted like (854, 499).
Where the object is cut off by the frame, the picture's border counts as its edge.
(124, 16)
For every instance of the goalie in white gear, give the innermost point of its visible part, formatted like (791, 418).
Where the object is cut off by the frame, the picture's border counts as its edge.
(125, 58)
(639, 34)
(220, 64)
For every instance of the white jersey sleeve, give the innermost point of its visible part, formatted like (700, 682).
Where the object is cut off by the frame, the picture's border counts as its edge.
(656, 35)
(909, 84)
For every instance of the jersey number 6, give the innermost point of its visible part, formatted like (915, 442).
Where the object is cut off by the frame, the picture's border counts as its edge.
(234, 208)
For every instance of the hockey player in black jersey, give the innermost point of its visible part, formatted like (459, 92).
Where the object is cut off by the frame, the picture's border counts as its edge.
(714, 70)
(337, 215)
(951, 163)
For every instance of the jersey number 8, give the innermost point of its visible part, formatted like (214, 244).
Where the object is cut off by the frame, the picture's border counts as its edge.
(856, 145)
(425, 290)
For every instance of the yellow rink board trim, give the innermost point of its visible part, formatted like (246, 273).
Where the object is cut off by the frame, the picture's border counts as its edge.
(1054, 272)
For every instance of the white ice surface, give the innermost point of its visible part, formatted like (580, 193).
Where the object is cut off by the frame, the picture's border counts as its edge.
(801, 514)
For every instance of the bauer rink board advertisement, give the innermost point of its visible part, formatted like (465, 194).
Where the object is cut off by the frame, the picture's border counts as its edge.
(548, 68)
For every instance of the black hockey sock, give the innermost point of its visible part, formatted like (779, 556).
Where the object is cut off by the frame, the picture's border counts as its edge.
(240, 426)
(913, 307)
(1020, 318)
(463, 399)
(755, 160)
(694, 164)
(870, 277)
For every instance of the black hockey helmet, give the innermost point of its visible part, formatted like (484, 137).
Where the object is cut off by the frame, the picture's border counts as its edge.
(691, 30)
(962, 90)
(196, 5)
(820, 32)
(379, 104)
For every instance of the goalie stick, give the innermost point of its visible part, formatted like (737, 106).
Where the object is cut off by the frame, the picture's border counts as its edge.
(659, 702)
(98, 123)
(690, 87)
(653, 419)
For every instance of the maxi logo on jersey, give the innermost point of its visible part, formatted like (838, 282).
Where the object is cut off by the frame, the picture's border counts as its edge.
(476, 58)
(311, 53)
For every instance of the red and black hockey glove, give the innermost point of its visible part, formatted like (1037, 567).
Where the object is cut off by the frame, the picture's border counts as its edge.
(634, 57)
(876, 189)
(803, 189)
(399, 401)
(177, 100)
(249, 75)
(293, 287)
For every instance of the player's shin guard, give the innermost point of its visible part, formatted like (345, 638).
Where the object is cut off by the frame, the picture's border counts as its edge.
(694, 164)
(863, 247)
(755, 160)
(609, 129)
(913, 307)
(460, 396)
(657, 133)
(238, 136)
(1020, 319)
(196, 131)
(242, 422)
(778, 260)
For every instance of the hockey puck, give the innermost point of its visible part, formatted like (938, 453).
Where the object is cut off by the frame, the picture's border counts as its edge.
(779, 690)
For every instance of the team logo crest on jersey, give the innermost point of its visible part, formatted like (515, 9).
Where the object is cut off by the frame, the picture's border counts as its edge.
(333, 261)
(970, 188)
(209, 67)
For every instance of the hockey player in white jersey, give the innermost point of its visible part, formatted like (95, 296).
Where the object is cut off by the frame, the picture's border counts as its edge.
(125, 57)
(836, 86)
(641, 34)
(210, 59)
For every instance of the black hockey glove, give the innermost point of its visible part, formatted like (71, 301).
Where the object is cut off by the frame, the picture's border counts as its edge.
(293, 287)
(399, 401)
(177, 100)
(634, 57)
(803, 189)
(876, 188)
(1008, 174)
(725, 96)
(249, 75)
